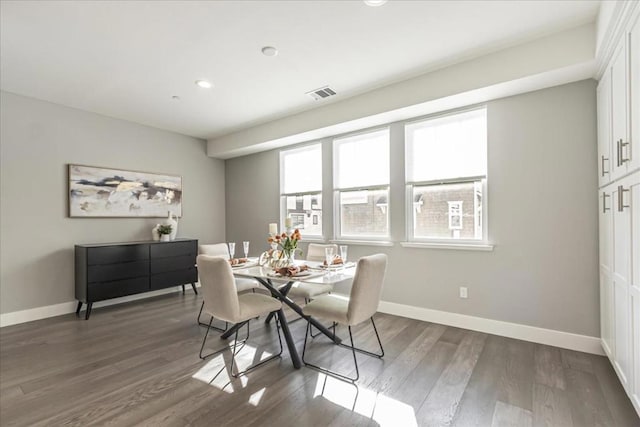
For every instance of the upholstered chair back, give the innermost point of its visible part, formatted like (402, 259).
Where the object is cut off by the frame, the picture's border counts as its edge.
(215, 249)
(366, 288)
(218, 287)
(315, 251)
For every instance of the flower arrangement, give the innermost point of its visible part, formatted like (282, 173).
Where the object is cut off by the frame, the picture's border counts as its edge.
(288, 243)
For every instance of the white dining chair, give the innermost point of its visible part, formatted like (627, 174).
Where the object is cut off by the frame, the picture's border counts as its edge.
(359, 307)
(242, 284)
(222, 301)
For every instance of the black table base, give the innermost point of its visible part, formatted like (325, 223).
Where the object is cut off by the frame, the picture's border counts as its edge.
(282, 296)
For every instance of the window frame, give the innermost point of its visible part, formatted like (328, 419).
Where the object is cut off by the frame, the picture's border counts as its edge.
(337, 220)
(410, 185)
(283, 196)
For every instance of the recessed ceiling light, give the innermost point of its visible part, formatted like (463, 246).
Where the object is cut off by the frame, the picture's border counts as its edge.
(175, 98)
(204, 84)
(374, 3)
(269, 51)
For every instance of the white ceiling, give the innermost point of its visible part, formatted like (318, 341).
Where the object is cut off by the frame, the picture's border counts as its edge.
(127, 59)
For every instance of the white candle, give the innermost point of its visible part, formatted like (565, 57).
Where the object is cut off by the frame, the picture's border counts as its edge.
(273, 228)
(288, 222)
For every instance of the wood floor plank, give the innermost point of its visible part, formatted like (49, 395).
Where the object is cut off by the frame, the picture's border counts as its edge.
(587, 402)
(506, 415)
(483, 389)
(576, 360)
(442, 402)
(550, 407)
(549, 369)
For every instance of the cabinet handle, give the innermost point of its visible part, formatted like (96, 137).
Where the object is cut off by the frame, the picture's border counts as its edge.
(618, 152)
(621, 204)
(604, 202)
(622, 158)
(602, 159)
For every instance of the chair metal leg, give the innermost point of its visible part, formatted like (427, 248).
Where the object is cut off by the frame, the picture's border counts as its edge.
(204, 340)
(378, 355)
(193, 285)
(353, 351)
(226, 324)
(235, 350)
(262, 362)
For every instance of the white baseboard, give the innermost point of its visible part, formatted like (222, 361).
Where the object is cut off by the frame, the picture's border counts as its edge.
(29, 315)
(497, 327)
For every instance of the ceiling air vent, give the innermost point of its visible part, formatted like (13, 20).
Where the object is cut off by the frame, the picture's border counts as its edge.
(323, 92)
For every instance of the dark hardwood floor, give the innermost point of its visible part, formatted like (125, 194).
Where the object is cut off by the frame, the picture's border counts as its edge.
(137, 364)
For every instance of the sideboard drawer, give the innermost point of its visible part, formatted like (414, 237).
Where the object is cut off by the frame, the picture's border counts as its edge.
(115, 254)
(125, 270)
(118, 288)
(172, 264)
(173, 278)
(170, 249)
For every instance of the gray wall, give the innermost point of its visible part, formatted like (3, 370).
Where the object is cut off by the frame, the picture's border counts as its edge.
(37, 142)
(542, 213)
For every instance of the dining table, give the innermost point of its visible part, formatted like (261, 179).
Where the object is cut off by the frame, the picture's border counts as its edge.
(279, 286)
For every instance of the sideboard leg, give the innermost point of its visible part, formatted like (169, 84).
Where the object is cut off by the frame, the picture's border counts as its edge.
(193, 285)
(78, 309)
(88, 313)
(183, 289)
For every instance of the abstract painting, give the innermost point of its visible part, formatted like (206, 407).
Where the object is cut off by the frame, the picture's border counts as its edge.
(104, 192)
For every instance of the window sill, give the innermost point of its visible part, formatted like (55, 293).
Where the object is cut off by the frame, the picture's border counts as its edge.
(313, 239)
(455, 246)
(363, 242)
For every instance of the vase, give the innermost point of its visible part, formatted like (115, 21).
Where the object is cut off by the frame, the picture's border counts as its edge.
(165, 238)
(173, 222)
(286, 260)
(154, 233)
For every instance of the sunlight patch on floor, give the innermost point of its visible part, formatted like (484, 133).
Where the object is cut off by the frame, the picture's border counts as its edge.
(255, 397)
(368, 403)
(215, 371)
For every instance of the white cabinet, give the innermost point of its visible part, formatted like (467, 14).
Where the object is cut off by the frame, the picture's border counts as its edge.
(618, 121)
(604, 128)
(619, 222)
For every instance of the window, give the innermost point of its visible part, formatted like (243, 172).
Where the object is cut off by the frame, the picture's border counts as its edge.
(361, 182)
(446, 168)
(301, 188)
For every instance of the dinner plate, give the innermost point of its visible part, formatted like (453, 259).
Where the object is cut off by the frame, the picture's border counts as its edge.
(336, 266)
(300, 274)
(244, 265)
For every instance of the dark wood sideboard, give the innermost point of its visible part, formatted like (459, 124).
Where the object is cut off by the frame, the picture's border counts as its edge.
(111, 270)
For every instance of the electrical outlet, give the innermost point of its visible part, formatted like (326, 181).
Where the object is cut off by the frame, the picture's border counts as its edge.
(463, 292)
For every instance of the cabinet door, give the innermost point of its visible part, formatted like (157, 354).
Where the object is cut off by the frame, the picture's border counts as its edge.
(635, 344)
(621, 281)
(632, 151)
(606, 283)
(619, 110)
(604, 128)
(634, 211)
(606, 314)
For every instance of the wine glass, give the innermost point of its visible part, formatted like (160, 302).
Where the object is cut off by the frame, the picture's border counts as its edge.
(343, 253)
(245, 246)
(232, 249)
(329, 255)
